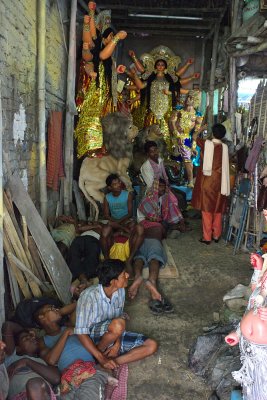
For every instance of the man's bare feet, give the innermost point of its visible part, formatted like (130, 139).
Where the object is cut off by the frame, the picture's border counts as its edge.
(133, 289)
(155, 294)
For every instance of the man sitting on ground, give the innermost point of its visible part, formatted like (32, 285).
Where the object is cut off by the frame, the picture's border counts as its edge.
(29, 376)
(118, 210)
(156, 209)
(100, 321)
(80, 380)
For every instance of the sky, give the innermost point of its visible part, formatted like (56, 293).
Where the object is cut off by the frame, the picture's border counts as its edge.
(247, 88)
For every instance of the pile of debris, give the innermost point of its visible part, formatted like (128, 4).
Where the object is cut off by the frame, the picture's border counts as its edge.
(210, 357)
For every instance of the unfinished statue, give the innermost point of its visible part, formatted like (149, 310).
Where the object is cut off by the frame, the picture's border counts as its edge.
(251, 335)
(118, 135)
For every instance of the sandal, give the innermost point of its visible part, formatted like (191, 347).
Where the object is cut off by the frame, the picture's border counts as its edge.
(167, 306)
(156, 307)
(205, 241)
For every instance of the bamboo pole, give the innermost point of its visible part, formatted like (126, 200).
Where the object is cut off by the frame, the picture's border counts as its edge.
(2, 286)
(41, 60)
(202, 68)
(70, 111)
(212, 74)
(235, 24)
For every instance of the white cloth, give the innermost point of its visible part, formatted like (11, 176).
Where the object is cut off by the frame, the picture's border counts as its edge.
(91, 233)
(208, 161)
(147, 172)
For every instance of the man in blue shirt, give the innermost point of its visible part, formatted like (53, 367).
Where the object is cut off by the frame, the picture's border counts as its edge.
(61, 347)
(118, 210)
(100, 321)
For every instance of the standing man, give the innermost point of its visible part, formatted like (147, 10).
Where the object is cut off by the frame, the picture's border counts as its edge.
(212, 184)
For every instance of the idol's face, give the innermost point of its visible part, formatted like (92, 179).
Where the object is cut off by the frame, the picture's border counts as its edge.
(160, 66)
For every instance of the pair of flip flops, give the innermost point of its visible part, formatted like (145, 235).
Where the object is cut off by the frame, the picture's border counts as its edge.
(159, 307)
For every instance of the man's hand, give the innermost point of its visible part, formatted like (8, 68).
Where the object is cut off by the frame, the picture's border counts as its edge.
(107, 363)
(113, 351)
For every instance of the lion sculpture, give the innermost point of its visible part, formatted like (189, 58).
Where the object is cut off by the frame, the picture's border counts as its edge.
(118, 136)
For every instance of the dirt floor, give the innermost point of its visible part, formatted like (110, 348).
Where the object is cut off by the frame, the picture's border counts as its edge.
(206, 273)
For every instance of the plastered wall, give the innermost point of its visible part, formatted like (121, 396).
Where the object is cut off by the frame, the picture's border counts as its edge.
(18, 69)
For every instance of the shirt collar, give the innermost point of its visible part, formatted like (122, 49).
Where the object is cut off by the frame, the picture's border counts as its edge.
(105, 297)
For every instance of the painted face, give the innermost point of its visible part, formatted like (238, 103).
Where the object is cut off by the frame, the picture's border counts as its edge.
(122, 280)
(115, 186)
(189, 101)
(153, 153)
(28, 343)
(162, 189)
(160, 66)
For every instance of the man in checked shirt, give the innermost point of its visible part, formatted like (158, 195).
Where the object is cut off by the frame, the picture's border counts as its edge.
(100, 321)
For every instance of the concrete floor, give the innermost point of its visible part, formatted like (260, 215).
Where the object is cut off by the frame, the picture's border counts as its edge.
(206, 273)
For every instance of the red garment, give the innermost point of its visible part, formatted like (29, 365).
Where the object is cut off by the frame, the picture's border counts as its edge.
(54, 168)
(76, 374)
(118, 392)
(211, 225)
(207, 190)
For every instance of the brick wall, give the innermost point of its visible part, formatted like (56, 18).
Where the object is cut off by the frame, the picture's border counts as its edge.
(18, 66)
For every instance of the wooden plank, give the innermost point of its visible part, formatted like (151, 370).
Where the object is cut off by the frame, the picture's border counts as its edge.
(14, 288)
(23, 268)
(18, 274)
(54, 263)
(25, 230)
(10, 231)
(9, 207)
(36, 258)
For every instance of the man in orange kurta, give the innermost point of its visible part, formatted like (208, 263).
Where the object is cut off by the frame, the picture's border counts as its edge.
(211, 189)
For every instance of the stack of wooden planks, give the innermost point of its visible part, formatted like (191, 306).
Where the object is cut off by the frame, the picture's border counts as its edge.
(31, 255)
(22, 258)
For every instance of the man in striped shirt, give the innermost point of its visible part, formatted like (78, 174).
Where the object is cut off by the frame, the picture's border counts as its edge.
(100, 321)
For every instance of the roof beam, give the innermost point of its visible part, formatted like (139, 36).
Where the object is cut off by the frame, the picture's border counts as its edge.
(169, 10)
(130, 24)
(166, 33)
